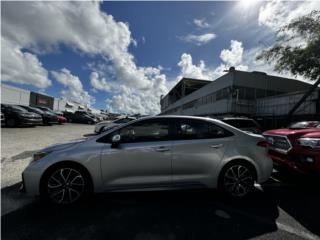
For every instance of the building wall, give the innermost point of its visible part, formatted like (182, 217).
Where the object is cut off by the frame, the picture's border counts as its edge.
(12, 95)
(236, 92)
(282, 104)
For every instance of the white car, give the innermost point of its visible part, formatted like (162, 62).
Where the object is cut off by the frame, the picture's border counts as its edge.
(107, 125)
(163, 152)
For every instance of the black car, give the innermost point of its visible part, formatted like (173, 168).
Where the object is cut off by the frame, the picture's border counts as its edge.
(81, 117)
(2, 119)
(243, 123)
(47, 117)
(18, 116)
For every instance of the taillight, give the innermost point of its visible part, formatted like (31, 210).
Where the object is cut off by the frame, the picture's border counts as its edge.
(263, 144)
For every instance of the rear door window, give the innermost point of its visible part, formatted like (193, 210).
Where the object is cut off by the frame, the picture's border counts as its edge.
(197, 129)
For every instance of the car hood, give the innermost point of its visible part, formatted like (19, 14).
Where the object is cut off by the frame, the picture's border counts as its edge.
(65, 145)
(286, 131)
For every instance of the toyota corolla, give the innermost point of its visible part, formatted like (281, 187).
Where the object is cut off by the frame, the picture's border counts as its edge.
(155, 153)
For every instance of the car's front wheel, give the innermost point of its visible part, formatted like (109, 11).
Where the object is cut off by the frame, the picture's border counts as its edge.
(65, 185)
(237, 180)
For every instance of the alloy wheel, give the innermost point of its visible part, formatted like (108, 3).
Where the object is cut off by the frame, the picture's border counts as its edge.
(65, 186)
(238, 180)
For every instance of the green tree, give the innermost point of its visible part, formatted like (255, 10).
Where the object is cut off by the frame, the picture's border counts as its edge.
(300, 59)
(303, 56)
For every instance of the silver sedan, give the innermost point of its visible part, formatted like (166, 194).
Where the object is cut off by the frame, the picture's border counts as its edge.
(155, 153)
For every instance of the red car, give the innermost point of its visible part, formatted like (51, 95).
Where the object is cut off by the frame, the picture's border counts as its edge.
(61, 119)
(296, 148)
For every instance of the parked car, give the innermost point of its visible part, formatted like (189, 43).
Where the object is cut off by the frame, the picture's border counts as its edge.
(47, 117)
(61, 119)
(3, 120)
(81, 117)
(297, 148)
(18, 116)
(161, 152)
(243, 123)
(107, 125)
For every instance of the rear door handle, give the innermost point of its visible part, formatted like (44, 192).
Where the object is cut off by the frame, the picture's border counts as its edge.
(162, 149)
(216, 146)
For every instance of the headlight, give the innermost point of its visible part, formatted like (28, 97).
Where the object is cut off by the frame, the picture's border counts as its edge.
(309, 142)
(38, 155)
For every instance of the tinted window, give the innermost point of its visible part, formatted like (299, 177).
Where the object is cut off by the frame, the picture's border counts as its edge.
(123, 120)
(144, 131)
(195, 129)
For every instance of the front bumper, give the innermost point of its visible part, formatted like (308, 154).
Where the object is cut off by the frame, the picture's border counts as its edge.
(301, 160)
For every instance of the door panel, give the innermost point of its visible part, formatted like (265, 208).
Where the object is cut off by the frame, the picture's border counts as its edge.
(144, 163)
(143, 156)
(197, 160)
(198, 151)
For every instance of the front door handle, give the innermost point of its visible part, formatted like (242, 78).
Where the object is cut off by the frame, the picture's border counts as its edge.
(216, 146)
(162, 149)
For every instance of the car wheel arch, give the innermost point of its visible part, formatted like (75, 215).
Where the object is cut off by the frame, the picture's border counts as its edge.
(67, 163)
(245, 161)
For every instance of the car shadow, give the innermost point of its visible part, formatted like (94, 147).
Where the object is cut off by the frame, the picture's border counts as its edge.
(192, 214)
(299, 197)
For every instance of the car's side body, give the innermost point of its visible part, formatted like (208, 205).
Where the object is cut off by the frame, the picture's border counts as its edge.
(160, 164)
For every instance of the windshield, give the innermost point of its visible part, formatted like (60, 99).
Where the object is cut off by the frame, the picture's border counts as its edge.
(20, 109)
(306, 124)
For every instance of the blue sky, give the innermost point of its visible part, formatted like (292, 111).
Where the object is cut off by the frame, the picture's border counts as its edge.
(122, 56)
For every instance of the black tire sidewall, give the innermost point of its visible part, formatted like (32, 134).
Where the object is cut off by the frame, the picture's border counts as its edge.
(221, 186)
(44, 182)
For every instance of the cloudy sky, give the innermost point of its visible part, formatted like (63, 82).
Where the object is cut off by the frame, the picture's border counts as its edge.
(122, 56)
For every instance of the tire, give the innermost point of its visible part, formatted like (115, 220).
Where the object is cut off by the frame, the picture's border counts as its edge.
(237, 179)
(66, 184)
(11, 122)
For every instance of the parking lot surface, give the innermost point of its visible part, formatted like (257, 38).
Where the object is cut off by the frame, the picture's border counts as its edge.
(285, 207)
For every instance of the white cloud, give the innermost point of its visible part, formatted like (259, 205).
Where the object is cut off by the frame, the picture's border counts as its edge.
(189, 70)
(43, 26)
(198, 39)
(232, 56)
(73, 87)
(99, 83)
(22, 67)
(201, 23)
(274, 14)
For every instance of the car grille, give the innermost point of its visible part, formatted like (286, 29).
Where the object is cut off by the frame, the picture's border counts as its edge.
(278, 142)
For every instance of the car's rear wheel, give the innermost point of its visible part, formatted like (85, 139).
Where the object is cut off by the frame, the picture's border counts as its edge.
(66, 185)
(237, 180)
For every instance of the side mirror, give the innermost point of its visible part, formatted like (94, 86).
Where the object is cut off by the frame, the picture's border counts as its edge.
(115, 140)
